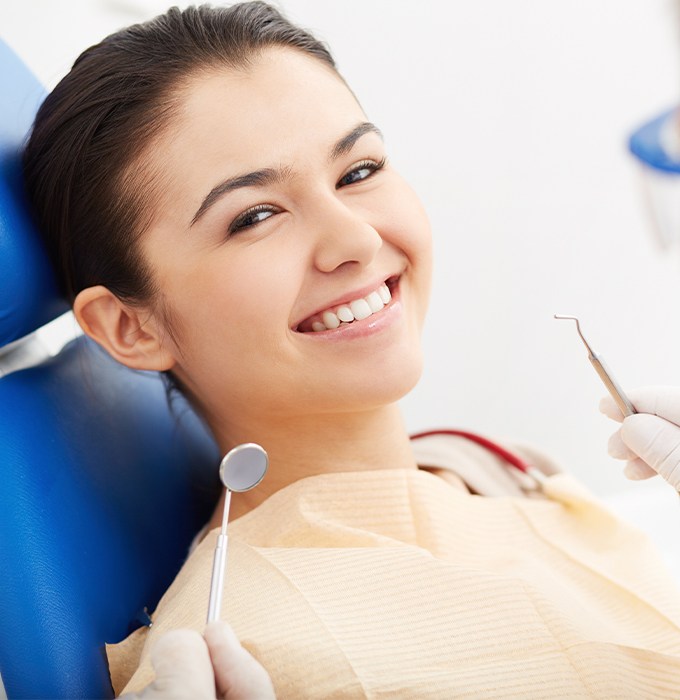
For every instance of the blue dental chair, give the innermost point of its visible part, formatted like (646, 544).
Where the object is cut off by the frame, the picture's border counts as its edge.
(104, 481)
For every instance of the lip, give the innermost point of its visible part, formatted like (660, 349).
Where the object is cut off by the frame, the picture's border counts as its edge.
(392, 282)
(367, 326)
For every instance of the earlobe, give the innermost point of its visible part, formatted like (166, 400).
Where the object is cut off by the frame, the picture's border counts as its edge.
(126, 332)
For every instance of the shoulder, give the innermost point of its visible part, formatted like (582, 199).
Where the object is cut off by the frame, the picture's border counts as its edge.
(486, 466)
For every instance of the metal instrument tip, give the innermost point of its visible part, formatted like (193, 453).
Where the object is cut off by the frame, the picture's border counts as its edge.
(578, 329)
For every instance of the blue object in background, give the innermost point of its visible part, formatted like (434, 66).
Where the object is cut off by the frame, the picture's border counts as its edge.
(646, 144)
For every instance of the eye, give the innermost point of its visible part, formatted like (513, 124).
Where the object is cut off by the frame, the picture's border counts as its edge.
(361, 171)
(251, 217)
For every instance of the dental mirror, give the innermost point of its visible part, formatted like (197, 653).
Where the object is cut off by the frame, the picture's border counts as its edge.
(242, 468)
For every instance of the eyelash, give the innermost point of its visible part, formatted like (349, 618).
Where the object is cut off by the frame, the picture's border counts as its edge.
(372, 166)
(239, 223)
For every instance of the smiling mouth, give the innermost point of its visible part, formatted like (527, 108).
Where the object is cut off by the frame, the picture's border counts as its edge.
(355, 310)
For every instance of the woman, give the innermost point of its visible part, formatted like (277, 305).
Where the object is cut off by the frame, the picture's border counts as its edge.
(221, 209)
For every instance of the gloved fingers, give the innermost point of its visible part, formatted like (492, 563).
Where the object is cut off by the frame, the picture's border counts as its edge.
(183, 668)
(238, 676)
(617, 448)
(637, 470)
(663, 401)
(657, 442)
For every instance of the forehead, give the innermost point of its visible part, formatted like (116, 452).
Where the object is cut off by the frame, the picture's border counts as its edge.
(284, 104)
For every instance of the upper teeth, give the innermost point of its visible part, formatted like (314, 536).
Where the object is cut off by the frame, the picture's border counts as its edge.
(356, 310)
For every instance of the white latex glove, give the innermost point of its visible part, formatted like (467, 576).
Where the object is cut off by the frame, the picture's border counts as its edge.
(650, 439)
(212, 667)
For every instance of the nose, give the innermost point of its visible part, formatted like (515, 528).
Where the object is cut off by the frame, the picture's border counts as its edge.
(343, 237)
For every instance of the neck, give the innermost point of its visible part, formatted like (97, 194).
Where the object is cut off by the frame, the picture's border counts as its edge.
(304, 446)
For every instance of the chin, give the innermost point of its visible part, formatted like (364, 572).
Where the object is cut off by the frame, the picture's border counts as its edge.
(388, 385)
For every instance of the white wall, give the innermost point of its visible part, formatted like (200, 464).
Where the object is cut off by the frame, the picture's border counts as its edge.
(510, 119)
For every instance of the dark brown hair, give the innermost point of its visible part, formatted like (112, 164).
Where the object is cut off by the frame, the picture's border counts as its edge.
(82, 161)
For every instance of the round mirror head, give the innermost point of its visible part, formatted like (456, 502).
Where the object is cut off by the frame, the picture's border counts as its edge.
(244, 467)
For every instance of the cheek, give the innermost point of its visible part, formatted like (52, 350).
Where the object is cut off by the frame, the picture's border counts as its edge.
(403, 216)
(413, 234)
(228, 301)
(405, 225)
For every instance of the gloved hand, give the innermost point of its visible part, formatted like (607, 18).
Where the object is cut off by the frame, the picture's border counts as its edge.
(212, 667)
(650, 439)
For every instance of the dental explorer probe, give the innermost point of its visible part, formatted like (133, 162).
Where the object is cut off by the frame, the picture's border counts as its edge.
(242, 468)
(597, 361)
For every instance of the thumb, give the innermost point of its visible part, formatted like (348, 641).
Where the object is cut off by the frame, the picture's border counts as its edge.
(183, 669)
(657, 442)
(238, 675)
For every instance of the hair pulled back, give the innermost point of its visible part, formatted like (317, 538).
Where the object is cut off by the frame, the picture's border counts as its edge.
(82, 161)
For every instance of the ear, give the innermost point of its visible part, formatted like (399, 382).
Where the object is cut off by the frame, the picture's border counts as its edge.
(129, 334)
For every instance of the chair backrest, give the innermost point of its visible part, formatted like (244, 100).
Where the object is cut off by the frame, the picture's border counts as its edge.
(104, 483)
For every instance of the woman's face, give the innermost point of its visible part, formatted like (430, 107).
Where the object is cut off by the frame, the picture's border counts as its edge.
(276, 214)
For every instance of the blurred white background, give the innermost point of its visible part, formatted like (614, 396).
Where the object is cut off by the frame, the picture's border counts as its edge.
(510, 119)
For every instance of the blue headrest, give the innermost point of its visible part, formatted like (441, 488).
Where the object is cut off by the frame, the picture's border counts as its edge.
(28, 292)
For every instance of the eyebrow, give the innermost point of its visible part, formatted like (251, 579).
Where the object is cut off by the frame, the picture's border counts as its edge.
(269, 176)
